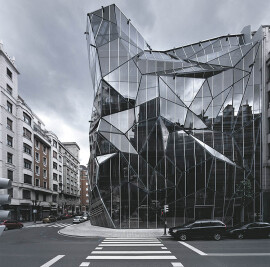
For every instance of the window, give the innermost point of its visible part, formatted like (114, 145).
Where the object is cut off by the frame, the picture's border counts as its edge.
(27, 134)
(9, 89)
(55, 177)
(55, 165)
(9, 140)
(37, 182)
(45, 161)
(9, 158)
(10, 192)
(27, 164)
(44, 173)
(9, 107)
(9, 124)
(26, 194)
(45, 184)
(37, 144)
(27, 149)
(37, 196)
(37, 156)
(44, 197)
(27, 118)
(60, 158)
(60, 178)
(9, 73)
(54, 143)
(60, 168)
(44, 149)
(55, 154)
(27, 179)
(10, 175)
(55, 187)
(37, 170)
(54, 198)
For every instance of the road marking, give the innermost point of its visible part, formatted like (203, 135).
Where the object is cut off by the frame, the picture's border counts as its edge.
(177, 264)
(85, 264)
(238, 254)
(131, 238)
(131, 252)
(130, 245)
(193, 248)
(131, 242)
(163, 248)
(99, 248)
(131, 258)
(52, 261)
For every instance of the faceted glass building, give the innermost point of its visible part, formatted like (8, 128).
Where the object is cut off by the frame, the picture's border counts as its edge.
(180, 127)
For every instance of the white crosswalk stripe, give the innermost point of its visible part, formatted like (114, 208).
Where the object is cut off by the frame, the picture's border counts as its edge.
(104, 250)
(56, 225)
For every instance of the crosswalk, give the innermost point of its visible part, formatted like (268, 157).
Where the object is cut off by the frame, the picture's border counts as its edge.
(56, 225)
(131, 249)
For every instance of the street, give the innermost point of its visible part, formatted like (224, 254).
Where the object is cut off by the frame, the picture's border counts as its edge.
(42, 245)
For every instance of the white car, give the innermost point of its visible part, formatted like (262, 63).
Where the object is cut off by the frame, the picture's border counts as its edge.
(78, 219)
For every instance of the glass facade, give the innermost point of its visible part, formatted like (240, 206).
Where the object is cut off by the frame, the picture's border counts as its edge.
(180, 127)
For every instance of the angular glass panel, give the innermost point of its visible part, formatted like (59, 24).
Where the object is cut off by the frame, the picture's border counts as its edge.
(194, 122)
(213, 152)
(103, 158)
(165, 134)
(107, 32)
(95, 23)
(123, 120)
(172, 111)
(120, 142)
(106, 127)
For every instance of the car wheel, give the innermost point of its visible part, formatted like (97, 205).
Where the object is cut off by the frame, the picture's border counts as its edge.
(5, 229)
(21, 226)
(217, 236)
(240, 236)
(183, 237)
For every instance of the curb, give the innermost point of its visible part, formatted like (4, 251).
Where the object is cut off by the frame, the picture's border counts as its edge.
(76, 236)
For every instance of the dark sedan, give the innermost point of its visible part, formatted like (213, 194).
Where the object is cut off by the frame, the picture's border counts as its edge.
(199, 229)
(11, 224)
(251, 230)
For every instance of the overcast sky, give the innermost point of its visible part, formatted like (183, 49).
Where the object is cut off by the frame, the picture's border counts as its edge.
(48, 42)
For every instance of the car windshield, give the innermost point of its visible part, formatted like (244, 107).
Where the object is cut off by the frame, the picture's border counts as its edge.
(78, 217)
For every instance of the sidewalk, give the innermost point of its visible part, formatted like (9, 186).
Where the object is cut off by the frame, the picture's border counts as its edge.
(87, 230)
(31, 223)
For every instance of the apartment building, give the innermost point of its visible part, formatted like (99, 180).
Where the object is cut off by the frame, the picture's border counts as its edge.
(31, 156)
(84, 188)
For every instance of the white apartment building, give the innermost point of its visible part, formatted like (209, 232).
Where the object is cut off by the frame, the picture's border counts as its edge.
(32, 157)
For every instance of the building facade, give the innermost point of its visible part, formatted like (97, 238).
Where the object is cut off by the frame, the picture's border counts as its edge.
(30, 155)
(186, 127)
(84, 188)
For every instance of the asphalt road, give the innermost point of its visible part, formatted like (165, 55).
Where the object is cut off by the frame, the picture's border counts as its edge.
(43, 246)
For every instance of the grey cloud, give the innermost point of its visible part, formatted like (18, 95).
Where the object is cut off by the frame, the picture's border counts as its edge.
(47, 39)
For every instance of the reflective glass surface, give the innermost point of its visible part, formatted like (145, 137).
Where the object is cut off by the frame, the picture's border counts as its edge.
(180, 127)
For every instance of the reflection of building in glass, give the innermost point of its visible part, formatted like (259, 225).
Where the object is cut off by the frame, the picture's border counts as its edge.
(180, 127)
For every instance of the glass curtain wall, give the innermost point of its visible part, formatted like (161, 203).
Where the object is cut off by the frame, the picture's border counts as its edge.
(180, 127)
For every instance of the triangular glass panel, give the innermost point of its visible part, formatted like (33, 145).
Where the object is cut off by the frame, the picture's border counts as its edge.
(107, 32)
(123, 120)
(165, 134)
(104, 126)
(172, 112)
(103, 158)
(194, 122)
(120, 142)
(125, 79)
(148, 89)
(167, 93)
(213, 152)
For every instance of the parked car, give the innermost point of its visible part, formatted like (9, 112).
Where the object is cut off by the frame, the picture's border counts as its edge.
(11, 224)
(49, 219)
(78, 219)
(67, 216)
(86, 217)
(250, 230)
(199, 229)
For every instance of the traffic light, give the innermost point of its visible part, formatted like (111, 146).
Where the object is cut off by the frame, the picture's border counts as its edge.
(4, 198)
(166, 208)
